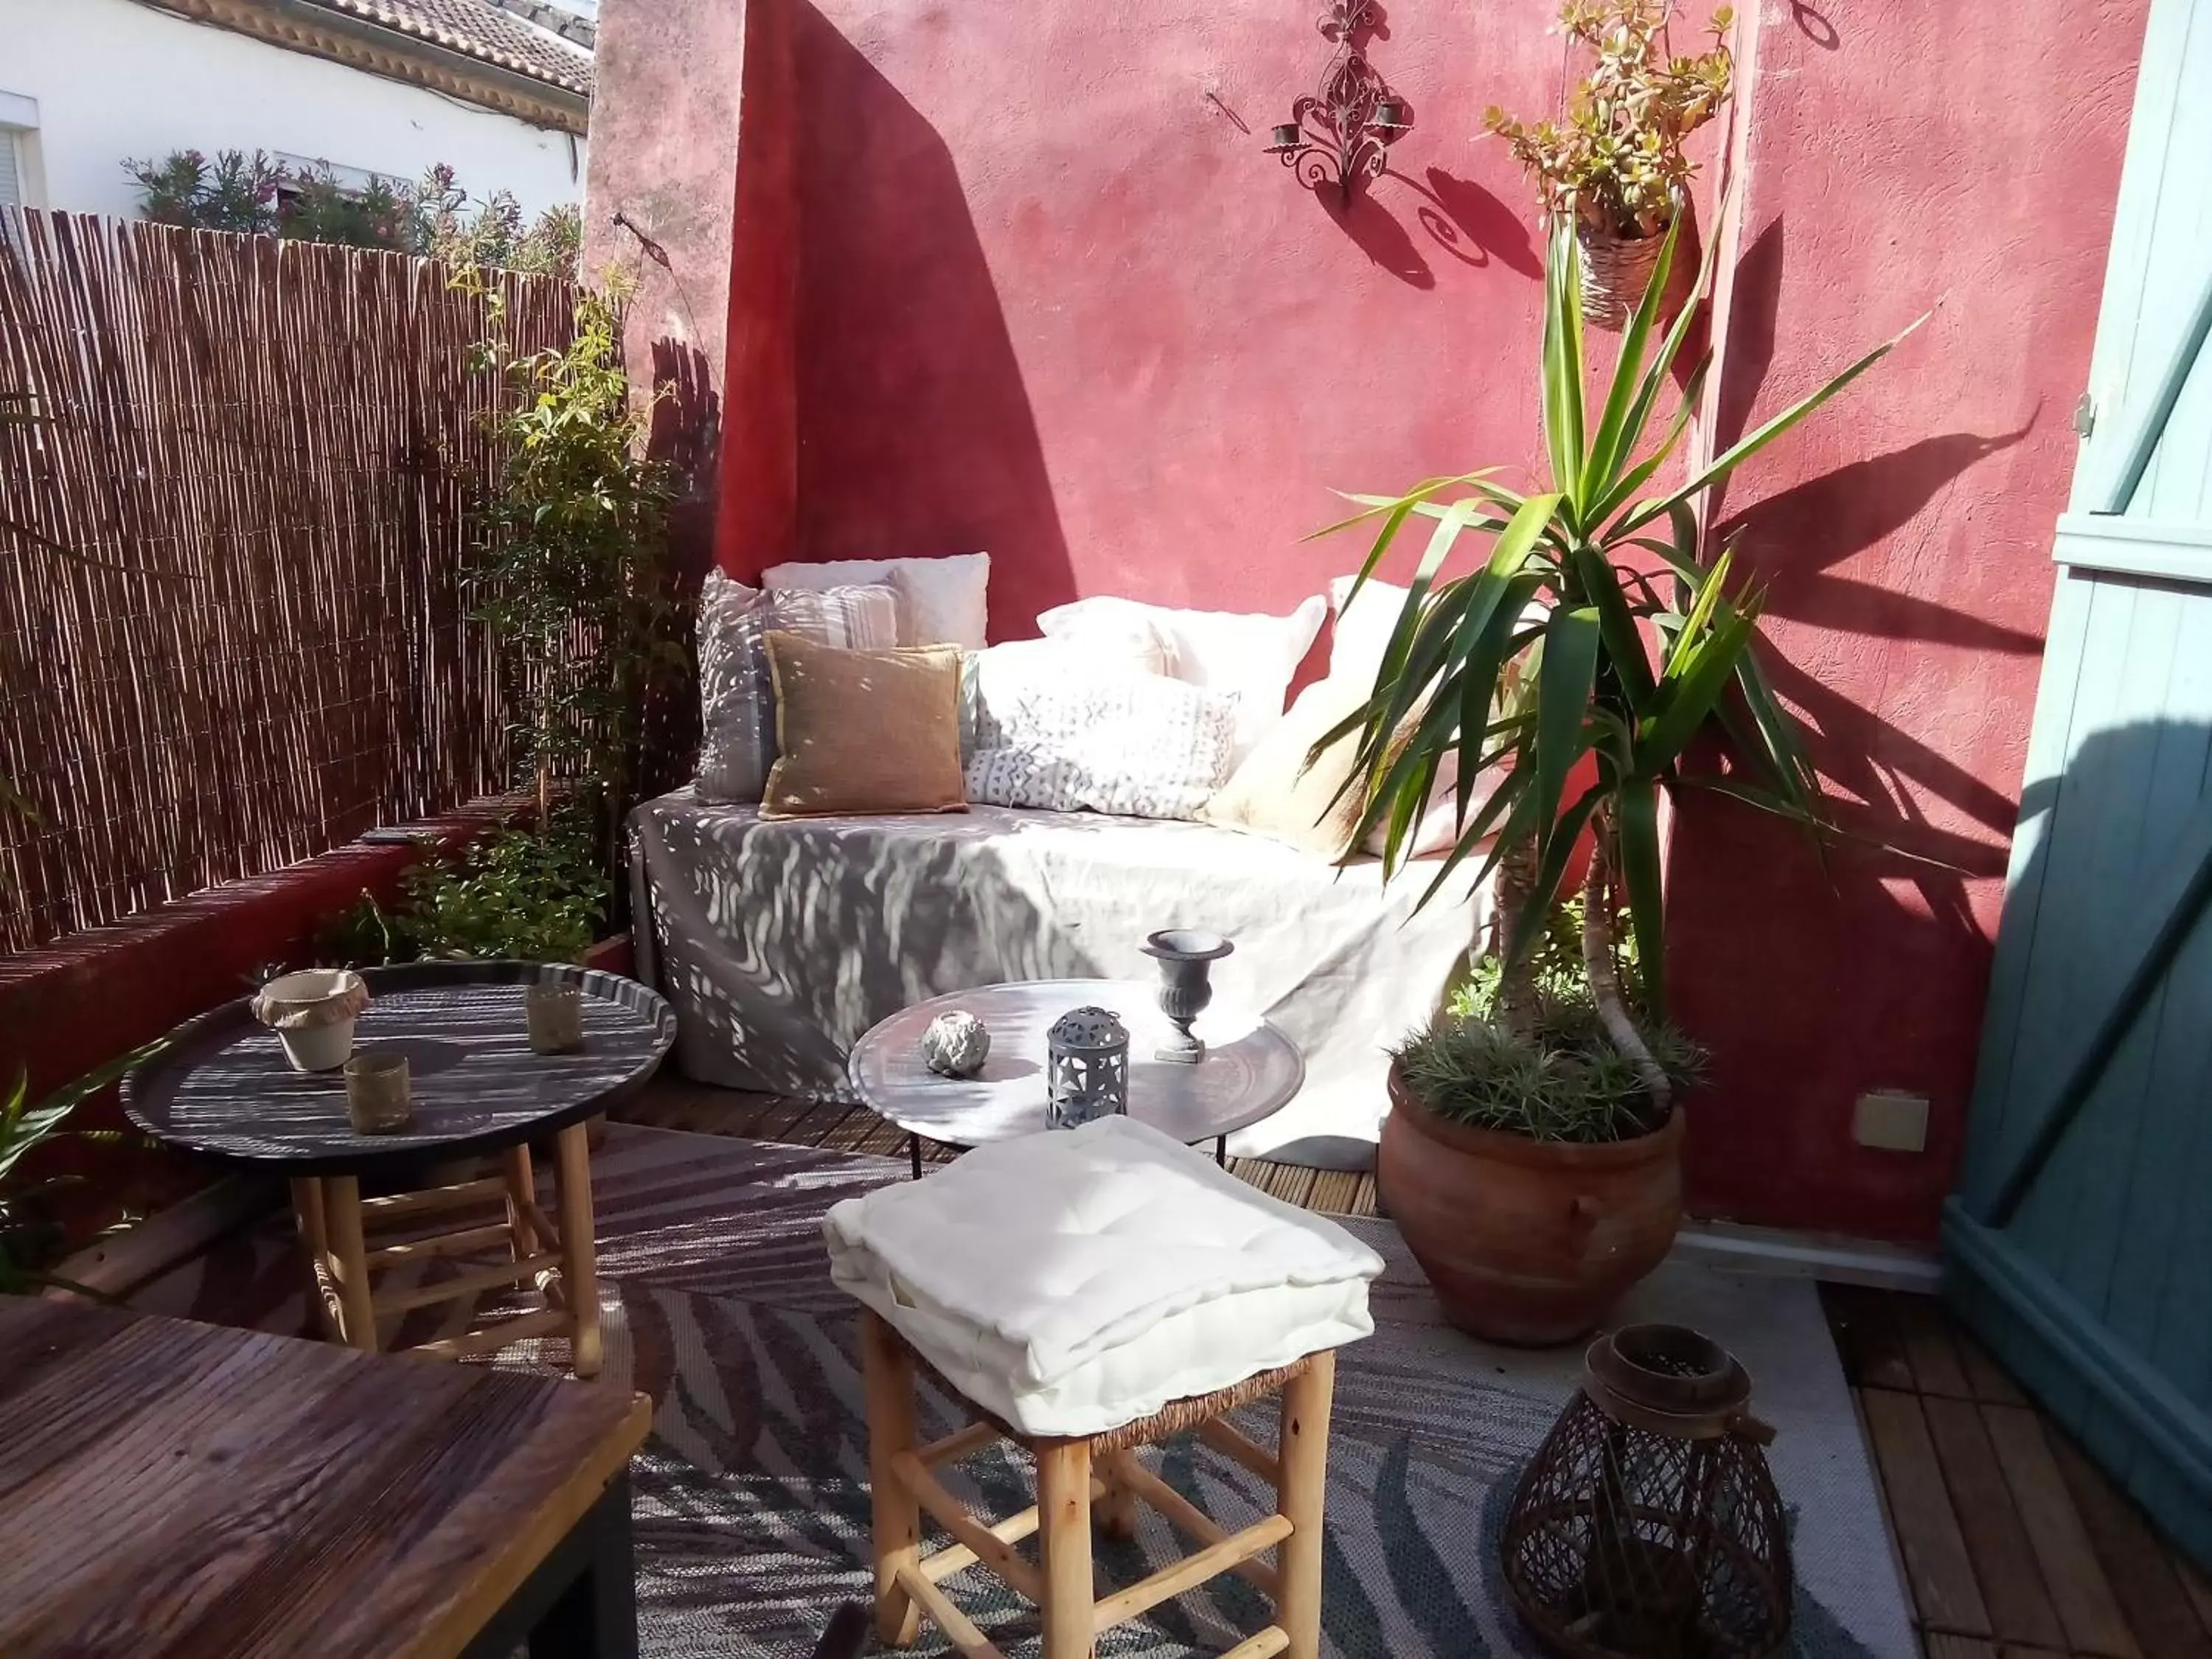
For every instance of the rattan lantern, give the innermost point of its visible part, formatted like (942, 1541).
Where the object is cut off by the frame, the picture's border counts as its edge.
(1086, 1067)
(1647, 1526)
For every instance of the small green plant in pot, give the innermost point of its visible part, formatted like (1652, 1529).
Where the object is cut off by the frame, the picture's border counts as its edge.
(1614, 164)
(1570, 643)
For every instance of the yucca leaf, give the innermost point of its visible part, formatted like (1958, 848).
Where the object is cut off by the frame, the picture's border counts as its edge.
(1685, 699)
(1503, 821)
(1625, 488)
(1636, 831)
(1562, 694)
(1562, 364)
(1742, 451)
(1376, 504)
(1615, 439)
(1624, 644)
(1710, 589)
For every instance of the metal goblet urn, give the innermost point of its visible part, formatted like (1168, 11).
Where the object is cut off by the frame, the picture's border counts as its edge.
(1186, 955)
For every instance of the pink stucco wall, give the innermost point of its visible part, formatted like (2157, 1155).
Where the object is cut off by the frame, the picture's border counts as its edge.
(1903, 157)
(1052, 299)
(1057, 302)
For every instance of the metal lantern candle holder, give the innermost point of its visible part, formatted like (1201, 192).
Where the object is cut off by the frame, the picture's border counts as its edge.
(1086, 1067)
(1647, 1526)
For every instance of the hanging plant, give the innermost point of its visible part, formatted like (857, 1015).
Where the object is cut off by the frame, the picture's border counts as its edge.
(1615, 166)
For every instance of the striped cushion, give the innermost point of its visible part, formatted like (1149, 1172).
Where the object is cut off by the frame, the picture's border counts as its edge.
(737, 695)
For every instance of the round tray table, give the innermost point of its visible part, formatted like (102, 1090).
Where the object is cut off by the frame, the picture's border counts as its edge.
(1251, 1070)
(222, 1088)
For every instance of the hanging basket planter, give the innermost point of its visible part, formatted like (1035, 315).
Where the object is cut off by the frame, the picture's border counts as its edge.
(1616, 270)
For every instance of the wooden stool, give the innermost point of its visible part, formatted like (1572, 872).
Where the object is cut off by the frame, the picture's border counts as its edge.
(1100, 1474)
(334, 1221)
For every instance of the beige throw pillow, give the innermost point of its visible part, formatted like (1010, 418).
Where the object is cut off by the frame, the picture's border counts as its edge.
(737, 698)
(1275, 794)
(864, 732)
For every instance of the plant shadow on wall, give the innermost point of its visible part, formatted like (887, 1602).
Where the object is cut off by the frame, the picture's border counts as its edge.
(916, 431)
(1798, 538)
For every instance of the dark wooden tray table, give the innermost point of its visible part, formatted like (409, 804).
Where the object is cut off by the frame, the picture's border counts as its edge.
(223, 1089)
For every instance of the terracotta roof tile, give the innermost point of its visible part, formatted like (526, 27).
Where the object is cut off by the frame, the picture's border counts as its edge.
(483, 30)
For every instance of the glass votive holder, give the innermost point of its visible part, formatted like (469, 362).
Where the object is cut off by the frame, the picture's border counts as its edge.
(377, 1099)
(555, 1011)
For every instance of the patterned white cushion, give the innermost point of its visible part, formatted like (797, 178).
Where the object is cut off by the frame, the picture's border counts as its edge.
(1038, 730)
(942, 601)
(1254, 656)
(736, 694)
(1075, 1280)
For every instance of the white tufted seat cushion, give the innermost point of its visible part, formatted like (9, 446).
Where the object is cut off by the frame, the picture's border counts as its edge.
(1075, 1280)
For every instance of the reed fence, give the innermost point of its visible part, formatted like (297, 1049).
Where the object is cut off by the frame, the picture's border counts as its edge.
(235, 486)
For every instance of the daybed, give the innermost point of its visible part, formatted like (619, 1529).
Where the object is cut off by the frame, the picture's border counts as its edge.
(780, 943)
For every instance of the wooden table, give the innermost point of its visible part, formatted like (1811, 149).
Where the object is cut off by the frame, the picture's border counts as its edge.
(223, 1089)
(175, 1491)
(1251, 1070)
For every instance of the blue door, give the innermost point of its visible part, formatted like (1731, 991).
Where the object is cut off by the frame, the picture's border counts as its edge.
(2079, 1244)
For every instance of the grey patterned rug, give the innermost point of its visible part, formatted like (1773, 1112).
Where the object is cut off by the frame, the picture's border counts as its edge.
(752, 1497)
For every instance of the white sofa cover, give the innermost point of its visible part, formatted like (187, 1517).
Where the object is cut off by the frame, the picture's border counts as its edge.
(779, 944)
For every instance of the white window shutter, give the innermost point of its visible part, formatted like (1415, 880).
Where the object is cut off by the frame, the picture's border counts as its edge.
(11, 182)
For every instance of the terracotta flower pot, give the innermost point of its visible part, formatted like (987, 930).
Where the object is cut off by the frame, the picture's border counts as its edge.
(1527, 1242)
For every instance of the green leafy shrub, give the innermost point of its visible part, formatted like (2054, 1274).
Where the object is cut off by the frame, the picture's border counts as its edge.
(30, 1240)
(255, 195)
(571, 573)
(527, 895)
(1564, 1080)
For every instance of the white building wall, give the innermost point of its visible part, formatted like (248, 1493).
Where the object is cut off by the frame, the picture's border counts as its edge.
(112, 79)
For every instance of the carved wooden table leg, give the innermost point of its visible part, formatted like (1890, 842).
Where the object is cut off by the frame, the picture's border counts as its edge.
(579, 1284)
(521, 1199)
(348, 1261)
(314, 1249)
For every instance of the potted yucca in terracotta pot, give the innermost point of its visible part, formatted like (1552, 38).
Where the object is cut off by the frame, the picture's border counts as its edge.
(1613, 164)
(1533, 1144)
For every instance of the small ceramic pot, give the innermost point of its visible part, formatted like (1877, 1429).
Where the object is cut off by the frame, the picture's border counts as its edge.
(1186, 957)
(378, 1101)
(555, 1011)
(313, 1013)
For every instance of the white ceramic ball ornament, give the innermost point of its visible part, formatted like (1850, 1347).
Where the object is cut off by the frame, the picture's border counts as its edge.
(956, 1044)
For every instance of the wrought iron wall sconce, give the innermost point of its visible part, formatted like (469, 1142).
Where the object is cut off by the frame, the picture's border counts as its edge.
(1342, 132)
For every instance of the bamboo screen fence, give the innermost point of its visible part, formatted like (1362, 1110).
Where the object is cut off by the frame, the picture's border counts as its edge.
(235, 476)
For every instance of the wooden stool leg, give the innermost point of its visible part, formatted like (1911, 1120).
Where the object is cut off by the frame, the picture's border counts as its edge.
(1302, 1459)
(314, 1246)
(350, 1259)
(521, 1193)
(888, 1371)
(579, 1281)
(1064, 1531)
(1115, 1512)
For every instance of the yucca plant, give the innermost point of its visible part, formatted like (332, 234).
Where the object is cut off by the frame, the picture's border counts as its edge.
(1579, 633)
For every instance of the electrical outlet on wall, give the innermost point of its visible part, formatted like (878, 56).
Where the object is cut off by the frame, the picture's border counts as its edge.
(1891, 1119)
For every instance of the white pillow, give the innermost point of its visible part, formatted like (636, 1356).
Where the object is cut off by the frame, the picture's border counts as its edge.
(941, 601)
(1253, 656)
(737, 692)
(1363, 634)
(1038, 731)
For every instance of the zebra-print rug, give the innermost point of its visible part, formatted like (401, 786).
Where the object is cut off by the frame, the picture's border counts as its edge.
(753, 1496)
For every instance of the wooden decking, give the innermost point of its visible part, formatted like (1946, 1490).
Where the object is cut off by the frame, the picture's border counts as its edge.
(2013, 1546)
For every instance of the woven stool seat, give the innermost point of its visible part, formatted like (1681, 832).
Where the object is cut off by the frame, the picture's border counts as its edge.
(1088, 1292)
